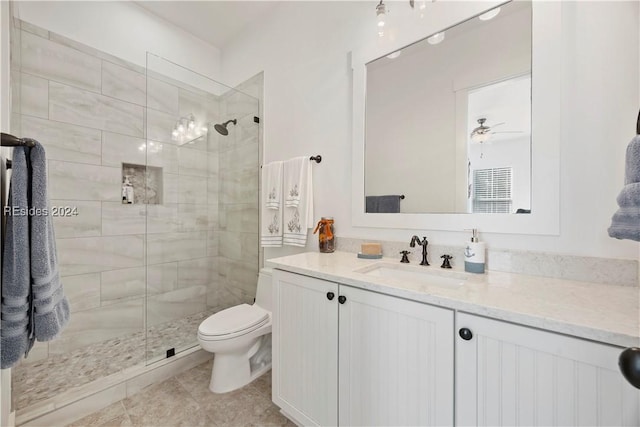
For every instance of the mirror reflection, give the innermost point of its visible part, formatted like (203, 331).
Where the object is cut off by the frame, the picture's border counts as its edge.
(458, 138)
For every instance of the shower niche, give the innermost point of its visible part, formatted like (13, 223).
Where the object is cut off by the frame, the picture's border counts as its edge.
(141, 184)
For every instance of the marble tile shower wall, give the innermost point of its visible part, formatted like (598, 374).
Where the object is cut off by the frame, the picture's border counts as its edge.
(239, 160)
(88, 109)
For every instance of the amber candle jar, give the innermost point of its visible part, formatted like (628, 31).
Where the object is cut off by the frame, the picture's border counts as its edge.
(326, 237)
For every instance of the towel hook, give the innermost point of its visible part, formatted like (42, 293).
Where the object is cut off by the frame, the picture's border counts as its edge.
(638, 124)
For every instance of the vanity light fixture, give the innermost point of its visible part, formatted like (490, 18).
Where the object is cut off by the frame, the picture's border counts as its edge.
(489, 15)
(422, 7)
(187, 130)
(436, 38)
(381, 13)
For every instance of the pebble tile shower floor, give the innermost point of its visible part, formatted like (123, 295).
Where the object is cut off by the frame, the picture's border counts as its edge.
(41, 380)
(185, 400)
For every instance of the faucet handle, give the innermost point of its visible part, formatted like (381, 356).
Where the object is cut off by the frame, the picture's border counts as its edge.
(446, 263)
(405, 259)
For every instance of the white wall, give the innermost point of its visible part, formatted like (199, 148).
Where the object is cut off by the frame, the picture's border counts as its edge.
(5, 102)
(123, 29)
(5, 374)
(302, 48)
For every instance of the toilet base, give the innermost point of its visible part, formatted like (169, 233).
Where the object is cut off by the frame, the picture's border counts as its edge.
(232, 371)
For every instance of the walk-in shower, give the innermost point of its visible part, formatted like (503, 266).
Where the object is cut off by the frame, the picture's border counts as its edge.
(141, 274)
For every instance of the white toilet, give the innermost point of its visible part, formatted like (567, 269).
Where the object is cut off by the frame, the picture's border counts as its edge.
(240, 337)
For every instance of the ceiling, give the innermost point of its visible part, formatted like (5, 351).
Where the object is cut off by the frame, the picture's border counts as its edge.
(216, 22)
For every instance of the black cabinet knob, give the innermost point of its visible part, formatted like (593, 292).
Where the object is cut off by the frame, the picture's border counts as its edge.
(629, 363)
(465, 334)
(342, 299)
(330, 295)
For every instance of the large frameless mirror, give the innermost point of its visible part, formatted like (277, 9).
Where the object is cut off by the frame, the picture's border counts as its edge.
(455, 137)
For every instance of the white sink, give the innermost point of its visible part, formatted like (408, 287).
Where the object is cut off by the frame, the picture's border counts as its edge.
(416, 274)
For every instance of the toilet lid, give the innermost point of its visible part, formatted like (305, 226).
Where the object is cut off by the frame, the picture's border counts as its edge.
(239, 318)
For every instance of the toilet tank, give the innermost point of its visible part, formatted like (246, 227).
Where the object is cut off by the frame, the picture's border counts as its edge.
(263, 292)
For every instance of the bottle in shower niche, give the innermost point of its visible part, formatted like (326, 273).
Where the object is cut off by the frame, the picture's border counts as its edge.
(127, 190)
(326, 237)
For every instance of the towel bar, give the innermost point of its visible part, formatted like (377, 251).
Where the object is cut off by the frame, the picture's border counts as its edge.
(13, 141)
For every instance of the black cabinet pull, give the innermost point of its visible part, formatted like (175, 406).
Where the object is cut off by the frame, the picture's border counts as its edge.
(342, 299)
(465, 334)
(330, 295)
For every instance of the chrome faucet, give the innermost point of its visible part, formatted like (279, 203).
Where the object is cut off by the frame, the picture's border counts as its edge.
(423, 243)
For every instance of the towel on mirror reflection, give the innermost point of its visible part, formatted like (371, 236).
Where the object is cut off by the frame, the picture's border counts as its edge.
(50, 306)
(625, 223)
(16, 269)
(299, 218)
(271, 220)
(294, 180)
(272, 183)
(383, 204)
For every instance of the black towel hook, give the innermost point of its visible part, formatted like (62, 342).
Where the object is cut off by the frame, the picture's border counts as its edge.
(638, 124)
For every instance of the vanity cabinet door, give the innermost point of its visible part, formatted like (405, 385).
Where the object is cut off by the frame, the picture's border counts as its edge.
(396, 361)
(305, 348)
(508, 374)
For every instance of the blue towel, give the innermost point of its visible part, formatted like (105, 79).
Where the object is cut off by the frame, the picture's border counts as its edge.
(51, 308)
(625, 223)
(33, 303)
(383, 204)
(16, 273)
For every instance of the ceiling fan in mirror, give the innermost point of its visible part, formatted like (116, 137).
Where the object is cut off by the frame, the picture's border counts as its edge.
(483, 132)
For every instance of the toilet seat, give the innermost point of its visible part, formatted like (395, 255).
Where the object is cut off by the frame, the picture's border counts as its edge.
(232, 322)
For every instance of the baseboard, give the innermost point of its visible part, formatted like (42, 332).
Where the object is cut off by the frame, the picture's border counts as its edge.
(74, 404)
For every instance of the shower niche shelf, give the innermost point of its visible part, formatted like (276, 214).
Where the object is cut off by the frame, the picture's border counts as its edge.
(141, 184)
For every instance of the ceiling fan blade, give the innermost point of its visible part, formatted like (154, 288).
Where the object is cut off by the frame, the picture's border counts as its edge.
(509, 131)
(497, 124)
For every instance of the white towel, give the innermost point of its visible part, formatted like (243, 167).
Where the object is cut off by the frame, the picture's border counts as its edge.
(272, 183)
(294, 180)
(271, 224)
(298, 216)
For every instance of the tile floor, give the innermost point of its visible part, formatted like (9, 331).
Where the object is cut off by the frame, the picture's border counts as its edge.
(185, 400)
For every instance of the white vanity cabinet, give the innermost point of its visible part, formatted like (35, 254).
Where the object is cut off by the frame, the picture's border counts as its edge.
(509, 374)
(346, 356)
(305, 348)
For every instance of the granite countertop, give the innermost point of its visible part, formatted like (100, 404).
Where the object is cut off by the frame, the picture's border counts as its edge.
(605, 313)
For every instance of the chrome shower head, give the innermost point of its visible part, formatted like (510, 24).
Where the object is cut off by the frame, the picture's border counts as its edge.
(222, 128)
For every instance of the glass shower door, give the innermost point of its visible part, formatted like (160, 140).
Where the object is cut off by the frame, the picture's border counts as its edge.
(201, 205)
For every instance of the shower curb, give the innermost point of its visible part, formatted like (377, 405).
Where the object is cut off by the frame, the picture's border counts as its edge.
(74, 404)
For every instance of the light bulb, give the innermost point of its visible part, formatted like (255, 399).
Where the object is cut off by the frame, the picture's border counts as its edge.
(381, 13)
(181, 128)
(480, 137)
(205, 129)
(174, 134)
(436, 38)
(394, 55)
(489, 15)
(192, 122)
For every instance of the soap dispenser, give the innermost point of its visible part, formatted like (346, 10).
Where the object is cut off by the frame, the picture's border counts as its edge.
(474, 254)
